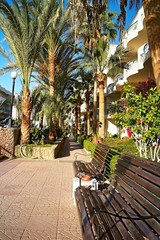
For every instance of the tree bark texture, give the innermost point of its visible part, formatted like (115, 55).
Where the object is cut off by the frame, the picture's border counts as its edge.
(152, 18)
(101, 78)
(26, 113)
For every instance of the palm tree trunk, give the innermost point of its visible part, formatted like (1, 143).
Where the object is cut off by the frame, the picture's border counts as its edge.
(26, 112)
(51, 130)
(152, 16)
(95, 107)
(88, 112)
(51, 72)
(101, 78)
(78, 115)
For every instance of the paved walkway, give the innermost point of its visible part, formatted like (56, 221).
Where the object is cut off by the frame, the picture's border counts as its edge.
(36, 198)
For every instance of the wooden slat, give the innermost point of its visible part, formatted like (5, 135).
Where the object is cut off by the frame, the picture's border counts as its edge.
(146, 189)
(118, 229)
(141, 205)
(133, 193)
(95, 168)
(84, 218)
(128, 231)
(151, 182)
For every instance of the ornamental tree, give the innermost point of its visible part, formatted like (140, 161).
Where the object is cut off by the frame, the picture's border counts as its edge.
(139, 110)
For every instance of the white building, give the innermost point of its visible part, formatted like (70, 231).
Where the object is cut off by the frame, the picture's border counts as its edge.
(139, 67)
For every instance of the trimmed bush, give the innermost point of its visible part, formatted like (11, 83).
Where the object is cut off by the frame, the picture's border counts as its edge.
(126, 145)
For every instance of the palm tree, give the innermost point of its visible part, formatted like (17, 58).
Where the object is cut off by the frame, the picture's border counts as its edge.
(24, 32)
(57, 51)
(87, 87)
(98, 24)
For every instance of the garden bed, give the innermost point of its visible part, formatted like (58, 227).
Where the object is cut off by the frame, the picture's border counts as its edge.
(46, 151)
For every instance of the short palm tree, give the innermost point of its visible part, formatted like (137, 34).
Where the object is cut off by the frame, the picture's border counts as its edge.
(24, 32)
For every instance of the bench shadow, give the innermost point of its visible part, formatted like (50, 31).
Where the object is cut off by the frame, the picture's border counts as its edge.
(65, 152)
(70, 145)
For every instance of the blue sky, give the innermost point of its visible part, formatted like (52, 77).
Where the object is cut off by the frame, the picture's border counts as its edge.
(6, 80)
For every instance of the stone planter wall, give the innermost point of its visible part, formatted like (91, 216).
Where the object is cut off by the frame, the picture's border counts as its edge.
(9, 138)
(40, 152)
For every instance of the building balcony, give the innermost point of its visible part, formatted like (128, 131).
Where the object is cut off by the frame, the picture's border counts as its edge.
(143, 55)
(136, 26)
(119, 81)
(110, 88)
(132, 68)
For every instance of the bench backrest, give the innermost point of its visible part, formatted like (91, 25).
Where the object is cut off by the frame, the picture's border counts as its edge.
(138, 181)
(100, 155)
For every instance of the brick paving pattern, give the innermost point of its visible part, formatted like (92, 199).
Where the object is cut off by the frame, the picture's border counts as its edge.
(36, 198)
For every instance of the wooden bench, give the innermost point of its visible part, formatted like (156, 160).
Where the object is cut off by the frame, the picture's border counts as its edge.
(97, 166)
(129, 208)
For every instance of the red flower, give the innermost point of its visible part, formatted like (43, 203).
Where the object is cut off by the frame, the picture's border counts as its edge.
(138, 121)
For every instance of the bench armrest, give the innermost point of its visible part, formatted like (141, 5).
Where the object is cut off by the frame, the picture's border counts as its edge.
(77, 154)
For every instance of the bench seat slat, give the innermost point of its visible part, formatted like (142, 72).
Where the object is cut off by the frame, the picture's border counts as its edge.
(127, 208)
(119, 205)
(95, 168)
(110, 228)
(96, 224)
(139, 224)
(85, 221)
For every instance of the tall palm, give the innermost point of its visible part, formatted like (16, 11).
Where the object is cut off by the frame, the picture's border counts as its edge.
(87, 85)
(65, 65)
(57, 48)
(24, 32)
(100, 24)
(100, 68)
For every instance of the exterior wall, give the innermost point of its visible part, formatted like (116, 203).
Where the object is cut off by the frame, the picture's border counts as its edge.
(5, 107)
(112, 128)
(135, 40)
(9, 137)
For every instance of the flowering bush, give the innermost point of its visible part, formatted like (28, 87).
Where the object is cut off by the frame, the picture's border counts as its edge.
(139, 110)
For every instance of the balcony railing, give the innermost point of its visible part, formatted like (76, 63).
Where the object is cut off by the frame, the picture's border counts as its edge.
(110, 88)
(144, 53)
(132, 67)
(136, 26)
(133, 27)
(119, 80)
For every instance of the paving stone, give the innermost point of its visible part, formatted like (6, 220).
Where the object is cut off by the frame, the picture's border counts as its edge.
(36, 198)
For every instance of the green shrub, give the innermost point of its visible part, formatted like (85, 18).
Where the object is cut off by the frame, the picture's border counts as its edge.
(112, 165)
(90, 146)
(126, 145)
(81, 139)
